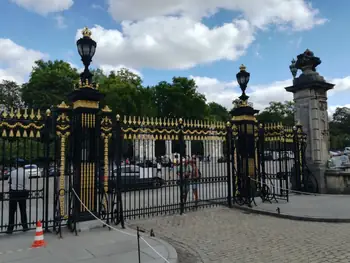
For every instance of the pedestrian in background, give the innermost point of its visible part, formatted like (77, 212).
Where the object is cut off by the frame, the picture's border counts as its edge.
(18, 181)
(195, 178)
(185, 183)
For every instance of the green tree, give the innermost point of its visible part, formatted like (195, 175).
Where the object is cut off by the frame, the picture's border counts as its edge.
(339, 128)
(98, 76)
(125, 94)
(49, 84)
(179, 99)
(10, 95)
(217, 112)
(278, 112)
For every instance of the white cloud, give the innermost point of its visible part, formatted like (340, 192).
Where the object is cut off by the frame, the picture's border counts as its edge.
(17, 62)
(225, 92)
(341, 84)
(95, 6)
(260, 13)
(44, 7)
(108, 68)
(170, 43)
(60, 20)
(170, 34)
(332, 108)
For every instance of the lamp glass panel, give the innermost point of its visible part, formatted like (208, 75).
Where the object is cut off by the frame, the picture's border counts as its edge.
(80, 50)
(92, 51)
(86, 50)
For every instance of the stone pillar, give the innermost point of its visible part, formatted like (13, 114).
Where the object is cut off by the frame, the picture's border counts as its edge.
(168, 148)
(147, 149)
(152, 149)
(215, 148)
(142, 149)
(188, 148)
(219, 149)
(310, 97)
(137, 151)
(206, 146)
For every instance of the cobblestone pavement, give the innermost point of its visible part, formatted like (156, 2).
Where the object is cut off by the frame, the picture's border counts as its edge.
(225, 235)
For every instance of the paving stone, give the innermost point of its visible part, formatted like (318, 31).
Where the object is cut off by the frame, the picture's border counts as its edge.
(221, 235)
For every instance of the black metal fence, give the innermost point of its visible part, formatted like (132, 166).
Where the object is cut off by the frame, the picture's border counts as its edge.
(129, 167)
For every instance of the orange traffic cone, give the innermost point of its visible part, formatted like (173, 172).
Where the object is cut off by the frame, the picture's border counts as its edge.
(39, 236)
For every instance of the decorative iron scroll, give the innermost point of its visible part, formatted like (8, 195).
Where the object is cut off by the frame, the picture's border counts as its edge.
(274, 132)
(106, 134)
(172, 122)
(146, 128)
(63, 132)
(21, 123)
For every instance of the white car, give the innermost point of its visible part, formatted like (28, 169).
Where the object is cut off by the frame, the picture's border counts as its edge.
(32, 170)
(347, 150)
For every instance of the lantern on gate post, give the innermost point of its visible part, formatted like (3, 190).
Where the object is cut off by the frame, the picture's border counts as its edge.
(243, 118)
(86, 49)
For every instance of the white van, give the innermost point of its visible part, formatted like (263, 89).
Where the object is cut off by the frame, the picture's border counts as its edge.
(32, 170)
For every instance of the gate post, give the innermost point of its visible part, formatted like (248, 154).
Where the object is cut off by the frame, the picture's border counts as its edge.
(243, 118)
(228, 162)
(62, 128)
(106, 133)
(181, 171)
(310, 96)
(47, 141)
(86, 135)
(117, 203)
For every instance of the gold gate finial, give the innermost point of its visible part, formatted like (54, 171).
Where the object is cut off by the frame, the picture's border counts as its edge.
(86, 32)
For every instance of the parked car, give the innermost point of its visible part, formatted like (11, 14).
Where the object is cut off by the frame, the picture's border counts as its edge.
(147, 164)
(54, 171)
(132, 178)
(222, 159)
(33, 170)
(347, 150)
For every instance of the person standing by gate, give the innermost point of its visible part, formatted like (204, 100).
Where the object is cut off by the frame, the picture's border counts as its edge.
(195, 178)
(18, 194)
(185, 184)
(159, 168)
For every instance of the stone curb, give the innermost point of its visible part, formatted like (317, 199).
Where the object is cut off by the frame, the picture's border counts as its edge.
(93, 224)
(292, 217)
(172, 256)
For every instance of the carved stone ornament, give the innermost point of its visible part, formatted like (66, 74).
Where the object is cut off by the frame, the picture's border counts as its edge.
(307, 60)
(322, 105)
(307, 63)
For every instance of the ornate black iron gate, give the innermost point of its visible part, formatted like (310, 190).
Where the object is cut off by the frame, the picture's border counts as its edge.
(81, 162)
(112, 164)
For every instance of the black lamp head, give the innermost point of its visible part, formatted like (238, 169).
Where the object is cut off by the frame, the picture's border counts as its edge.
(243, 77)
(86, 47)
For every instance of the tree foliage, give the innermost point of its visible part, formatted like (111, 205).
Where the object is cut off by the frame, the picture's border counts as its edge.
(49, 84)
(278, 112)
(10, 95)
(339, 128)
(179, 99)
(217, 112)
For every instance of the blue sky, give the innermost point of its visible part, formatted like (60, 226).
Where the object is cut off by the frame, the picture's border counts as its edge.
(206, 40)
